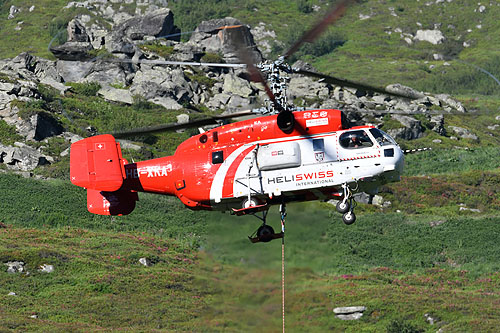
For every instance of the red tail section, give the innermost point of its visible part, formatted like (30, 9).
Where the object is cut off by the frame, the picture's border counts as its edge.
(96, 164)
(120, 202)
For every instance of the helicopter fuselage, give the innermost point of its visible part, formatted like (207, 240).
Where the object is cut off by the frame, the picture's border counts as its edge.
(252, 162)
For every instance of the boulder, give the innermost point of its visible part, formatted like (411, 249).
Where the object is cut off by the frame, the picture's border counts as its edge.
(15, 266)
(157, 23)
(22, 157)
(404, 90)
(73, 71)
(226, 36)
(432, 36)
(236, 85)
(72, 51)
(349, 312)
(77, 31)
(116, 95)
(412, 129)
(463, 133)
(40, 126)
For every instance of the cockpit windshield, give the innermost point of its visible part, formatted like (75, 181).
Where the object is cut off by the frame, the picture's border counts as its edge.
(355, 139)
(382, 138)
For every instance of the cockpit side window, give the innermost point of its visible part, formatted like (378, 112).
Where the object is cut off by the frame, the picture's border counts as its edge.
(355, 140)
(383, 139)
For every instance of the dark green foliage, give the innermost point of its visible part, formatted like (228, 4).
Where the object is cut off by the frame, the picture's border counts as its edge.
(212, 58)
(161, 50)
(85, 89)
(327, 43)
(57, 30)
(402, 326)
(8, 133)
(304, 6)
(189, 14)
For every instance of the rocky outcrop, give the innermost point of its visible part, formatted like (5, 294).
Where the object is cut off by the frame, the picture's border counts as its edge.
(22, 157)
(225, 36)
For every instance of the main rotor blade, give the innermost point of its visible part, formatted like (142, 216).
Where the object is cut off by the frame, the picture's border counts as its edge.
(320, 27)
(350, 84)
(175, 63)
(254, 72)
(176, 126)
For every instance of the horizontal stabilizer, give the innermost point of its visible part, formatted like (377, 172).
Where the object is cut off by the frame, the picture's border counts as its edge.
(120, 202)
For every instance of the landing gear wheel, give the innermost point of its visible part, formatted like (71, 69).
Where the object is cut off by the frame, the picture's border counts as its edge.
(349, 218)
(343, 206)
(265, 233)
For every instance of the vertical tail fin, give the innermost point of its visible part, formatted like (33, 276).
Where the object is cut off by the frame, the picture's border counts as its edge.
(97, 165)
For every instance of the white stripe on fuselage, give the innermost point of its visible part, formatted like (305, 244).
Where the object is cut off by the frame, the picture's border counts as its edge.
(218, 183)
(220, 175)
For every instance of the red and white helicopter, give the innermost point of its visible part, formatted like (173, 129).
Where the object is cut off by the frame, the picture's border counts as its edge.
(245, 167)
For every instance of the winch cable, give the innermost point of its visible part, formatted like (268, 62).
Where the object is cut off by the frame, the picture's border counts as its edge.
(283, 215)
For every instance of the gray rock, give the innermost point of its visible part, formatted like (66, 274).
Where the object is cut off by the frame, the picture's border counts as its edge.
(167, 102)
(451, 102)
(437, 122)
(75, 51)
(22, 157)
(73, 71)
(378, 200)
(349, 313)
(211, 38)
(145, 262)
(412, 129)
(45, 268)
(432, 36)
(349, 309)
(13, 11)
(236, 85)
(40, 126)
(363, 197)
(463, 133)
(77, 31)
(15, 266)
(116, 95)
(157, 23)
(106, 73)
(404, 90)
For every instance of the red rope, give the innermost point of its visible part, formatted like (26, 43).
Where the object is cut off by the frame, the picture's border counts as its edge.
(283, 269)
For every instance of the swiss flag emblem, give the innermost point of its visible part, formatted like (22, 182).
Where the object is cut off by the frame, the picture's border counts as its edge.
(100, 146)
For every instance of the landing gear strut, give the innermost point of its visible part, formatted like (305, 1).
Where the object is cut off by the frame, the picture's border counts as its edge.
(346, 206)
(266, 233)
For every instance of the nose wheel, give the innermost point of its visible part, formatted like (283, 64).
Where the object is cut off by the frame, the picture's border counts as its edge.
(346, 206)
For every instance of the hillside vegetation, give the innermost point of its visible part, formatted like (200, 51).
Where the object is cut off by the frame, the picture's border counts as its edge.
(433, 251)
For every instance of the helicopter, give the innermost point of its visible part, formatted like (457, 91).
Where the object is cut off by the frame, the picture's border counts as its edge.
(284, 155)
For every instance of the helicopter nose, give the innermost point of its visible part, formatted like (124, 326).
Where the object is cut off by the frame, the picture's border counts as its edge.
(394, 160)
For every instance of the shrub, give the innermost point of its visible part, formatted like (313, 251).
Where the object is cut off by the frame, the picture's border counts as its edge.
(86, 89)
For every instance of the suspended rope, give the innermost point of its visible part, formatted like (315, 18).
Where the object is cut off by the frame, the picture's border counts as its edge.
(283, 215)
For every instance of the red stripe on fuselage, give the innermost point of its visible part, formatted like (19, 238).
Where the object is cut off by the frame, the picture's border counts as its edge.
(227, 189)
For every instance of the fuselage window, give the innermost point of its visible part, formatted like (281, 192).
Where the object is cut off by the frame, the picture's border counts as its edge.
(215, 136)
(217, 157)
(355, 140)
(382, 138)
(318, 145)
